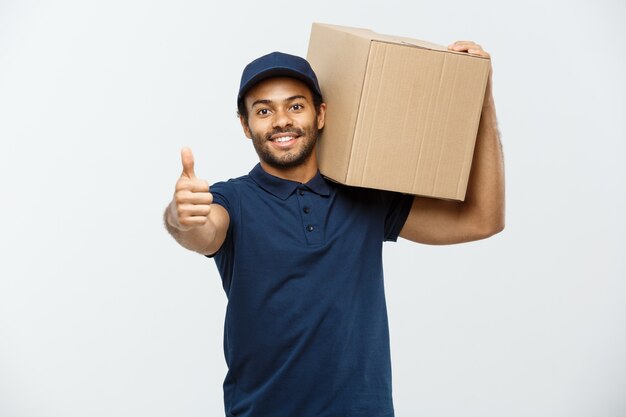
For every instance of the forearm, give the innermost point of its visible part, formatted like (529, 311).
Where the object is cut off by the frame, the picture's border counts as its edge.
(484, 201)
(481, 215)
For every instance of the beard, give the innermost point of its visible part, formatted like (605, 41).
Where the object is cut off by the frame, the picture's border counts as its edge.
(292, 158)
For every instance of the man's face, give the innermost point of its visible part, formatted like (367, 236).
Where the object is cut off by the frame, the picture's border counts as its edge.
(282, 121)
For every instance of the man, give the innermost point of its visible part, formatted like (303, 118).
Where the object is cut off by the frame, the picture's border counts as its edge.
(300, 257)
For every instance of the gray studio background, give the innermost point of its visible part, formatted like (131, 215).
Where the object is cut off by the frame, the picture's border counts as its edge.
(102, 314)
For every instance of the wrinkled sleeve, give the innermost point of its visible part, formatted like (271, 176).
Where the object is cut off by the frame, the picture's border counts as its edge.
(397, 207)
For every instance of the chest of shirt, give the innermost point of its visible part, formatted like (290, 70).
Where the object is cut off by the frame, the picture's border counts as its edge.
(305, 220)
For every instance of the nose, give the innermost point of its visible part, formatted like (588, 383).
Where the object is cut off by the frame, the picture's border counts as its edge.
(281, 119)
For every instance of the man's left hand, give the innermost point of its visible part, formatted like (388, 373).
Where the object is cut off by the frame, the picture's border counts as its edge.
(469, 47)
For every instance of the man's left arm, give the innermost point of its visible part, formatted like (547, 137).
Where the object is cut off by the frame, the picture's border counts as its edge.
(481, 215)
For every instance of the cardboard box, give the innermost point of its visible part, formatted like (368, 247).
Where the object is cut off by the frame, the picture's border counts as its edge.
(402, 114)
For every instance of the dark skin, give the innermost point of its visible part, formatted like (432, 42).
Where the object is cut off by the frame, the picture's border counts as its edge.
(285, 105)
(481, 215)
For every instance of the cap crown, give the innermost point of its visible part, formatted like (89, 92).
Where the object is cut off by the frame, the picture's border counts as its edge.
(277, 64)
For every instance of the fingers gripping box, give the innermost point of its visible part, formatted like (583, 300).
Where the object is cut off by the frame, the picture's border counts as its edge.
(402, 114)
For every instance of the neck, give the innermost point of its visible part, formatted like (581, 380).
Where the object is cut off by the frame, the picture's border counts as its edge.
(301, 173)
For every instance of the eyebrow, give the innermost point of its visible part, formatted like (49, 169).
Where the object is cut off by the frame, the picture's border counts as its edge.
(267, 102)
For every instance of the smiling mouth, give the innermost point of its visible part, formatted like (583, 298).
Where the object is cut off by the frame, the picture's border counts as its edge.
(283, 139)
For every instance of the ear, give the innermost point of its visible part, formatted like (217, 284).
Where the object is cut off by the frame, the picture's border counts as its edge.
(246, 128)
(321, 116)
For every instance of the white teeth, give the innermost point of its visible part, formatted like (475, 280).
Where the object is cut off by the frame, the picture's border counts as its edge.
(284, 139)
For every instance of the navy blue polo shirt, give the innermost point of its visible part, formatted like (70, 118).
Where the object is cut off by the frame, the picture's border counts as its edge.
(306, 329)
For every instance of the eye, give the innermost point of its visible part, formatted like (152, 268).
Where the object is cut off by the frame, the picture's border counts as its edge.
(297, 106)
(263, 112)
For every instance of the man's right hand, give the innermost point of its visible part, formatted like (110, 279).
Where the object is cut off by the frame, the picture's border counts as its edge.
(192, 200)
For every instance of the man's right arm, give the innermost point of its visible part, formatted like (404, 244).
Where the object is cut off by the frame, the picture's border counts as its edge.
(191, 218)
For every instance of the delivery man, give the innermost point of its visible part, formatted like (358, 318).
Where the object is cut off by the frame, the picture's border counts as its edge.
(300, 257)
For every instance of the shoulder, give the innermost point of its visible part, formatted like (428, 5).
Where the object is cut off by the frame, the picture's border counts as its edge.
(370, 196)
(231, 185)
(228, 193)
(232, 182)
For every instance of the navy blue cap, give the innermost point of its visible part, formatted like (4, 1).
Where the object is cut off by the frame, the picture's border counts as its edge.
(277, 64)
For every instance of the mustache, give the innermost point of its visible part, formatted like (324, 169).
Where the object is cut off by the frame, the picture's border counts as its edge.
(296, 131)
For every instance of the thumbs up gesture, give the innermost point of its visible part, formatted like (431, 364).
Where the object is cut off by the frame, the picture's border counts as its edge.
(192, 200)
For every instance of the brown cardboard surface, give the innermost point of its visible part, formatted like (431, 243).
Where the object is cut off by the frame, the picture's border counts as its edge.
(402, 114)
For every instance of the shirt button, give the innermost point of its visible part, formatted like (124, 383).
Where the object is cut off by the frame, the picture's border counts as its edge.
(309, 228)
(306, 210)
(301, 192)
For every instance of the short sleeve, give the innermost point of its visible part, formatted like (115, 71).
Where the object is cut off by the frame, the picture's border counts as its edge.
(397, 207)
(224, 194)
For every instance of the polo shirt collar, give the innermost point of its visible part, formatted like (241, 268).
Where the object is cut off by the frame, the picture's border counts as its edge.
(282, 188)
